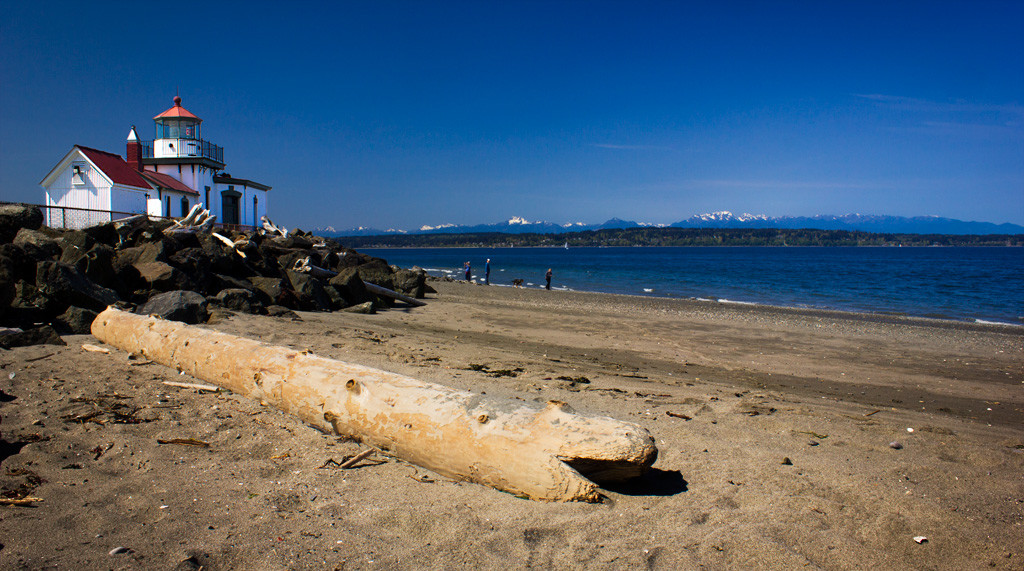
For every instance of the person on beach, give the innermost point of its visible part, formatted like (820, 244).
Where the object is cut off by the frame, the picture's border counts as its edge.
(547, 277)
(487, 272)
(466, 268)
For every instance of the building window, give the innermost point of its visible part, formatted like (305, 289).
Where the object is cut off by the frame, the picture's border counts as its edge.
(77, 175)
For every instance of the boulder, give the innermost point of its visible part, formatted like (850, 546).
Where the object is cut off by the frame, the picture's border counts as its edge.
(411, 282)
(351, 288)
(76, 320)
(163, 277)
(15, 217)
(44, 335)
(310, 291)
(378, 272)
(281, 311)
(184, 306)
(38, 244)
(362, 308)
(239, 299)
(74, 244)
(98, 266)
(63, 285)
(271, 287)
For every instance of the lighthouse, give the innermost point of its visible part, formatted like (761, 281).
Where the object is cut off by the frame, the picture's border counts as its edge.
(179, 150)
(164, 177)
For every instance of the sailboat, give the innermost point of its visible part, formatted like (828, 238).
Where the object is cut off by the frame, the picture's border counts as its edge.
(567, 245)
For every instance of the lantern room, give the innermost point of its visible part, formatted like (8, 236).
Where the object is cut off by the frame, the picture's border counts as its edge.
(177, 123)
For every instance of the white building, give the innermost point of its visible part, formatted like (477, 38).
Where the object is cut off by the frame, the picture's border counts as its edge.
(162, 177)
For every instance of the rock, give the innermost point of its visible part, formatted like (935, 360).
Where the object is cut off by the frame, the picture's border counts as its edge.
(310, 291)
(271, 287)
(281, 311)
(337, 302)
(14, 217)
(239, 299)
(160, 276)
(98, 265)
(377, 272)
(351, 288)
(64, 285)
(786, 461)
(361, 308)
(411, 282)
(44, 335)
(895, 445)
(74, 245)
(184, 306)
(39, 244)
(77, 320)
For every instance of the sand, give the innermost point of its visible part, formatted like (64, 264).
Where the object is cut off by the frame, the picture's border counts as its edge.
(777, 433)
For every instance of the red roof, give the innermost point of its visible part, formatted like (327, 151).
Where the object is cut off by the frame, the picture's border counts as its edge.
(167, 181)
(115, 167)
(178, 111)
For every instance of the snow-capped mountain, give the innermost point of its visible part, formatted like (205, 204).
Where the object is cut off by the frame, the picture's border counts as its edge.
(862, 222)
(721, 219)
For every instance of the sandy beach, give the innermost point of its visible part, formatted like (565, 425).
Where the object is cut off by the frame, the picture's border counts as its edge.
(787, 439)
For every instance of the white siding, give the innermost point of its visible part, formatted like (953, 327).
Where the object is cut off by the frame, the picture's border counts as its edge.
(127, 200)
(195, 177)
(93, 193)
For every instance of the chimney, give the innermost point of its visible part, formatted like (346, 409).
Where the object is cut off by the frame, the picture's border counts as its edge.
(134, 152)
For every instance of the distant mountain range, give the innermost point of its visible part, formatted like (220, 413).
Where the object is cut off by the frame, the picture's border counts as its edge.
(723, 219)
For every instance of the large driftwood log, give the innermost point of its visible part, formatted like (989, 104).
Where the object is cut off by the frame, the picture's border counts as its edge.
(550, 454)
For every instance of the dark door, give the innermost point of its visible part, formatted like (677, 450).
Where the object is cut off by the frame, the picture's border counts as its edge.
(230, 209)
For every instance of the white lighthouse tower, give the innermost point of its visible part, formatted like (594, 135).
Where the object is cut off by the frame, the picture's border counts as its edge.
(180, 151)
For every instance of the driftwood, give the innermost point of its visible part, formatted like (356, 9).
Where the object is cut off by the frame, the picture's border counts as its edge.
(198, 219)
(234, 245)
(551, 454)
(271, 228)
(303, 265)
(196, 386)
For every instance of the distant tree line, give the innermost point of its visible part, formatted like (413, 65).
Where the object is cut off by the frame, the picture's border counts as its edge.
(679, 237)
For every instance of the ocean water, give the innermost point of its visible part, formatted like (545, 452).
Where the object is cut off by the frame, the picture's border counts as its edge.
(985, 284)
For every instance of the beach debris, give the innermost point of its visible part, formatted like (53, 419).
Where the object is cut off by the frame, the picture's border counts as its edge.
(271, 228)
(812, 433)
(26, 501)
(119, 551)
(235, 245)
(920, 539)
(812, 442)
(197, 386)
(356, 459)
(184, 442)
(910, 429)
(895, 445)
(95, 348)
(786, 461)
(874, 412)
(552, 454)
(197, 220)
(678, 415)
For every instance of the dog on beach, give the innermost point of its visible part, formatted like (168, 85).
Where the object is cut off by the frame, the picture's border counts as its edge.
(517, 283)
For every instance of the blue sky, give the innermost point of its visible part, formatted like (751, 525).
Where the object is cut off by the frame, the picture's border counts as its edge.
(400, 114)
